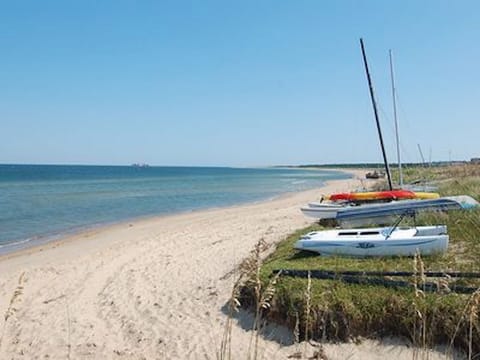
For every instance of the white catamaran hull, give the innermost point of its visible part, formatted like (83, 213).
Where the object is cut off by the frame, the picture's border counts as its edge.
(386, 213)
(322, 210)
(426, 240)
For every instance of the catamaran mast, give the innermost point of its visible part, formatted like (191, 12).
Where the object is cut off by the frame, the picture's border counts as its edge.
(387, 169)
(394, 96)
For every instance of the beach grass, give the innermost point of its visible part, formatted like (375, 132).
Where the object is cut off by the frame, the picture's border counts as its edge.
(338, 311)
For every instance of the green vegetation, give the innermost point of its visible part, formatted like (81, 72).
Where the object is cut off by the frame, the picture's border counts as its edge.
(335, 310)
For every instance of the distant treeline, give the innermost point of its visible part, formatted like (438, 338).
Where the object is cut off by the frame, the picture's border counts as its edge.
(374, 165)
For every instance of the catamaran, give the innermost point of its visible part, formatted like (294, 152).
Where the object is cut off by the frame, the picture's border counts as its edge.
(382, 241)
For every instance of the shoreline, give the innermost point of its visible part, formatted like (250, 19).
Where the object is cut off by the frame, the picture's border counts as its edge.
(44, 241)
(153, 288)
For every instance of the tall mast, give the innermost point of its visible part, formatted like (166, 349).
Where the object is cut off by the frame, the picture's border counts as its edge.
(387, 169)
(394, 96)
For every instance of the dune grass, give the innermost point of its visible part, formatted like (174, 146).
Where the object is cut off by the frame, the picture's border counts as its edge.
(335, 310)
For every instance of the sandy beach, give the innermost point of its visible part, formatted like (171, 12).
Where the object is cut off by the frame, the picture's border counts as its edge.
(153, 288)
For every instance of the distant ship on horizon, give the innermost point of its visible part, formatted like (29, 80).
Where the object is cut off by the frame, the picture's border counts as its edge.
(140, 165)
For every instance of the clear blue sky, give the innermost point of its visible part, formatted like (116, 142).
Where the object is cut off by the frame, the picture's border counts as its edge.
(235, 83)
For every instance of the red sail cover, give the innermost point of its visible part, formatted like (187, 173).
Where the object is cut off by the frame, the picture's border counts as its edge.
(373, 195)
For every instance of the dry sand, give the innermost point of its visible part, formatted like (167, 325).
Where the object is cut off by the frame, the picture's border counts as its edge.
(152, 289)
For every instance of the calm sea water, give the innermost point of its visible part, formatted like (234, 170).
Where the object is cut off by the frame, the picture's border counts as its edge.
(39, 202)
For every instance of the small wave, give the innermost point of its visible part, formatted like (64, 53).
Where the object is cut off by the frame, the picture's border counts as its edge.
(16, 243)
(297, 182)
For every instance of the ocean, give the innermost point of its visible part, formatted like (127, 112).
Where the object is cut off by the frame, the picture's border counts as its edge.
(42, 202)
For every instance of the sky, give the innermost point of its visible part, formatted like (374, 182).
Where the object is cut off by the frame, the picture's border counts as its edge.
(236, 83)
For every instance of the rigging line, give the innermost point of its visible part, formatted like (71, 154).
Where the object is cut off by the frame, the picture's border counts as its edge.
(473, 221)
(406, 124)
(391, 129)
(384, 115)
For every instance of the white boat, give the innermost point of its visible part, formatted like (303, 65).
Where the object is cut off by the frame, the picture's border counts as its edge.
(320, 210)
(385, 213)
(382, 241)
